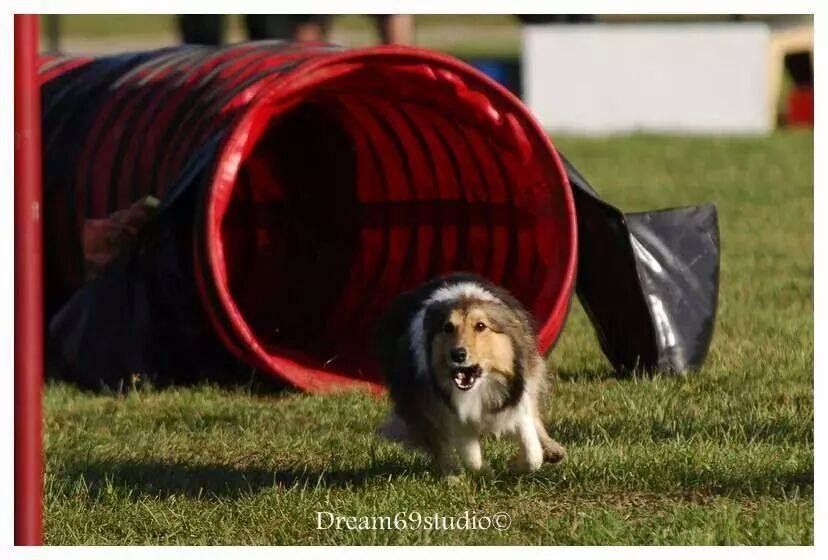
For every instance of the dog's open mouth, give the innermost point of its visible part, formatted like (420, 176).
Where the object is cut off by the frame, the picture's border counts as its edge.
(465, 377)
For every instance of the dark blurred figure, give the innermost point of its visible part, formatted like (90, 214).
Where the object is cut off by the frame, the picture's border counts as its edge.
(396, 29)
(209, 29)
(556, 18)
(202, 29)
(298, 27)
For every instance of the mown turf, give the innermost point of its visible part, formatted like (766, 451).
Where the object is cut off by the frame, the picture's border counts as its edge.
(721, 457)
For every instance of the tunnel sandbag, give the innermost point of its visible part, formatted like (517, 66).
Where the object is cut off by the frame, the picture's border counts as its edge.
(301, 188)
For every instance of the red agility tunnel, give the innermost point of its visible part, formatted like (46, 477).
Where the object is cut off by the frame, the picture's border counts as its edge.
(318, 183)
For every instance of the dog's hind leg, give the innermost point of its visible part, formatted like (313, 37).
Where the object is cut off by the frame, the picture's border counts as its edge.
(553, 452)
(395, 429)
(442, 452)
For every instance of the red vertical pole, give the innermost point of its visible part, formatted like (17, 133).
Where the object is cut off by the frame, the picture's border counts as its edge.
(28, 287)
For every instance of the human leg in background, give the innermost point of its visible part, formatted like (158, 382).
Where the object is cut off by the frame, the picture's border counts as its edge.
(201, 29)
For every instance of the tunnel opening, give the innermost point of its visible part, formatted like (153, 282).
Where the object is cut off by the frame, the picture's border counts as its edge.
(289, 232)
(365, 182)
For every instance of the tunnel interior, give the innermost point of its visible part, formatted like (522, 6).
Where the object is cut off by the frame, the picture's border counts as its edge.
(371, 182)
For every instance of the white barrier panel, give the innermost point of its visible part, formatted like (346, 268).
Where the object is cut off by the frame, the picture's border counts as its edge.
(616, 78)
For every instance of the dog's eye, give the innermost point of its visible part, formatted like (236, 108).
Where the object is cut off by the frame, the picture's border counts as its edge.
(479, 327)
(448, 328)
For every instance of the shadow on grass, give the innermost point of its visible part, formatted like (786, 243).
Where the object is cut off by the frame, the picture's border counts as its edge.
(155, 478)
(598, 374)
(607, 372)
(604, 372)
(137, 479)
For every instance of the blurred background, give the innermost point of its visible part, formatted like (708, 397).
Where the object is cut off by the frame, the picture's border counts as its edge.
(623, 73)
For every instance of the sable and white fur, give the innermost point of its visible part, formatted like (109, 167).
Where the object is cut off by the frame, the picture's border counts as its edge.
(443, 404)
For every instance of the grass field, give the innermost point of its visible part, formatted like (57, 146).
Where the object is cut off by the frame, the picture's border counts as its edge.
(721, 457)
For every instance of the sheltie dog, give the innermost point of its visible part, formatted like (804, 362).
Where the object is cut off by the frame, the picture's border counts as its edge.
(460, 360)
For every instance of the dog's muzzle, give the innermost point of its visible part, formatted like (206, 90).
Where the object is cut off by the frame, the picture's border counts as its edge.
(465, 377)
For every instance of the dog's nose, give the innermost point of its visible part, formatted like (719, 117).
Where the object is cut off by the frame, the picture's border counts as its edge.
(458, 355)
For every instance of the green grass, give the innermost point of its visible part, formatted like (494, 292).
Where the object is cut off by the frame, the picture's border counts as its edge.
(721, 457)
(113, 25)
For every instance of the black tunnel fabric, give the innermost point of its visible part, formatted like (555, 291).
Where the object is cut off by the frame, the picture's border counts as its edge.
(649, 281)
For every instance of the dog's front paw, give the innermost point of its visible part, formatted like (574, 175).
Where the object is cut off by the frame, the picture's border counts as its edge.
(484, 471)
(526, 464)
(447, 467)
(554, 452)
(452, 479)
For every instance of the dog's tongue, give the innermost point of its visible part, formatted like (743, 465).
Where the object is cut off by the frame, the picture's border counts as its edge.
(464, 379)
